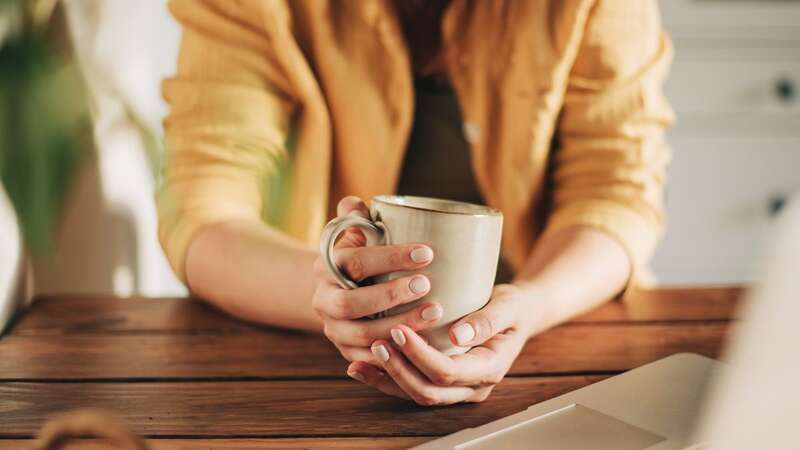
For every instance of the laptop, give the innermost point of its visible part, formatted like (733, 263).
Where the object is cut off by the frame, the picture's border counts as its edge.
(684, 401)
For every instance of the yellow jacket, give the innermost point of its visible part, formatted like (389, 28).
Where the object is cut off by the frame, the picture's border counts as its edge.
(279, 108)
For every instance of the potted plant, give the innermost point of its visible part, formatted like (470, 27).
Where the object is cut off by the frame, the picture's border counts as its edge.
(43, 119)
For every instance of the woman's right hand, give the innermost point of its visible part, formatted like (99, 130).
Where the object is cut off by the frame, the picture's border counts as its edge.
(342, 310)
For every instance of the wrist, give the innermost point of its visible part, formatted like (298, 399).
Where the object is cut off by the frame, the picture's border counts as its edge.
(540, 308)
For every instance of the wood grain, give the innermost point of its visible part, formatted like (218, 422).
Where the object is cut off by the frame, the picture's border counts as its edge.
(69, 314)
(670, 304)
(261, 354)
(189, 377)
(392, 443)
(267, 409)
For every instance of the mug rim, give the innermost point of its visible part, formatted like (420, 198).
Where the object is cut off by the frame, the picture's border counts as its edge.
(392, 200)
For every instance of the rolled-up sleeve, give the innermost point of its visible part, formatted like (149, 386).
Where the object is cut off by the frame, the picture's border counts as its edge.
(230, 110)
(609, 166)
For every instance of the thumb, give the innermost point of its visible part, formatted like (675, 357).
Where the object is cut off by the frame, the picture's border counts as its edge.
(352, 204)
(482, 325)
(353, 237)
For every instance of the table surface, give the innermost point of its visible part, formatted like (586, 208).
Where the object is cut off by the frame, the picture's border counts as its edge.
(186, 376)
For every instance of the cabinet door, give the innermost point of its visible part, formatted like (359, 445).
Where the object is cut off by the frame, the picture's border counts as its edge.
(731, 87)
(731, 19)
(718, 200)
(736, 92)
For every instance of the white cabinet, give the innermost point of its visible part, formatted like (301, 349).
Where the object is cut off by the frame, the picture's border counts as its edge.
(747, 84)
(731, 19)
(719, 197)
(735, 85)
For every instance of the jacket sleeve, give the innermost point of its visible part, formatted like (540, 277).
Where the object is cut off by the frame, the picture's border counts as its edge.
(609, 166)
(230, 110)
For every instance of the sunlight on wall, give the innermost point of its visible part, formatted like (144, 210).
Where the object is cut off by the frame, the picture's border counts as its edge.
(125, 49)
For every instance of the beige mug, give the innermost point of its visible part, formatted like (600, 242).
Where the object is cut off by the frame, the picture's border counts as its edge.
(464, 237)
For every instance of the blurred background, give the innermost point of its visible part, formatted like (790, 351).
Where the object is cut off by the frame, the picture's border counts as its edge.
(734, 86)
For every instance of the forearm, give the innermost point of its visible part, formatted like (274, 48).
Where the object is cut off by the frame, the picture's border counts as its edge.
(572, 271)
(254, 273)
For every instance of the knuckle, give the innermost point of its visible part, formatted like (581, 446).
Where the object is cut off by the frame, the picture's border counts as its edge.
(396, 258)
(494, 378)
(352, 199)
(394, 293)
(349, 204)
(444, 377)
(346, 204)
(353, 237)
(354, 266)
(362, 335)
(341, 307)
(390, 368)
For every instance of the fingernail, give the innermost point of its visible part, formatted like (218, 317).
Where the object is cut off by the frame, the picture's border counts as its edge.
(419, 284)
(464, 333)
(432, 312)
(380, 352)
(421, 254)
(398, 337)
(356, 376)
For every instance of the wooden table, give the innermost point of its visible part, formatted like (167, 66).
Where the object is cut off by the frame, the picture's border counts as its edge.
(187, 376)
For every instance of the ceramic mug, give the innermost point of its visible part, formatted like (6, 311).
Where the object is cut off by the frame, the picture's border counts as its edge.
(464, 237)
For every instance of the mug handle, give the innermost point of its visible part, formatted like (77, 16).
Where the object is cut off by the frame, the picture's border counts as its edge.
(336, 227)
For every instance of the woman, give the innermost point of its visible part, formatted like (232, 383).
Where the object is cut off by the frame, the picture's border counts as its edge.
(550, 111)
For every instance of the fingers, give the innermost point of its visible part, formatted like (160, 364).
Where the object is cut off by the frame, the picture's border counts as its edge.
(350, 304)
(352, 204)
(481, 366)
(361, 262)
(354, 353)
(353, 236)
(364, 332)
(415, 384)
(371, 376)
(401, 380)
(481, 394)
(482, 325)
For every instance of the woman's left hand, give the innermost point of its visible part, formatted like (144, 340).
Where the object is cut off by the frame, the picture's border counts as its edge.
(414, 370)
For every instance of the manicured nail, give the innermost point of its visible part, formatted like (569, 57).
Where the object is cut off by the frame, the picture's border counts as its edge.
(421, 254)
(398, 337)
(356, 376)
(380, 352)
(432, 312)
(419, 284)
(464, 333)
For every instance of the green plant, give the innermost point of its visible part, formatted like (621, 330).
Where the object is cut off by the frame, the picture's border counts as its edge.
(43, 119)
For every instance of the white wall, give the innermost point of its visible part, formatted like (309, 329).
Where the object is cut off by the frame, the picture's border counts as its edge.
(107, 241)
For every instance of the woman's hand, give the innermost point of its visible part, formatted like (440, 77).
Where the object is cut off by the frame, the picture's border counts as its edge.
(412, 369)
(341, 309)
